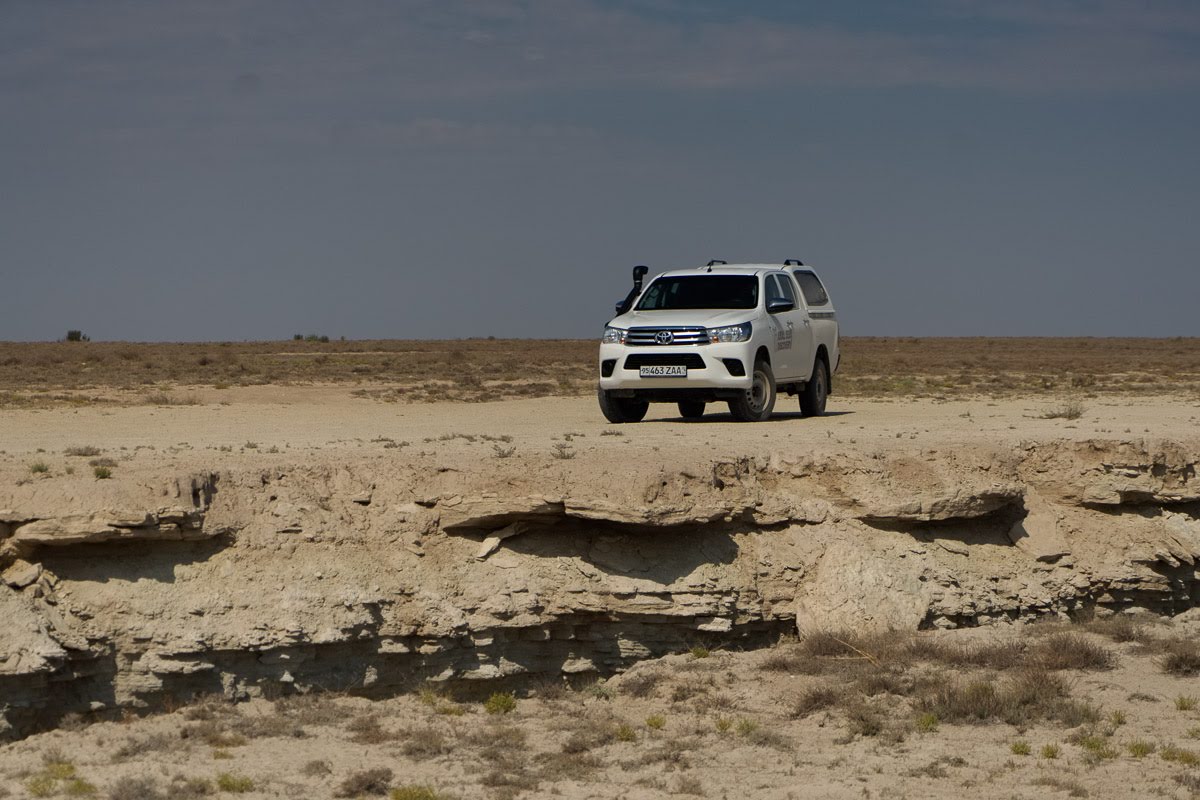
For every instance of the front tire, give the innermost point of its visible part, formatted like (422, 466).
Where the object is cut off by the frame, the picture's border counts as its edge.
(816, 391)
(691, 409)
(621, 409)
(757, 402)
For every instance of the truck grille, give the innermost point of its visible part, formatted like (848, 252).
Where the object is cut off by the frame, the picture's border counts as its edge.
(689, 360)
(650, 336)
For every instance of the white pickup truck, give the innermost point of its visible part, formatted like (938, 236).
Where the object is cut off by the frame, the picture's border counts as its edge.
(738, 333)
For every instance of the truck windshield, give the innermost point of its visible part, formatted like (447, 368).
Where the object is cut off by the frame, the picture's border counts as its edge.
(700, 291)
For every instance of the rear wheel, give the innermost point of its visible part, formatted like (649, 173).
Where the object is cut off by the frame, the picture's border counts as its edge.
(756, 403)
(691, 409)
(816, 391)
(621, 409)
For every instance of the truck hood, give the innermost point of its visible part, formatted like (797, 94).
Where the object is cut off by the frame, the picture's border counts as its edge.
(704, 318)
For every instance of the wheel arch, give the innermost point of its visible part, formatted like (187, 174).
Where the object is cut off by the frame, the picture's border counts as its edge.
(823, 355)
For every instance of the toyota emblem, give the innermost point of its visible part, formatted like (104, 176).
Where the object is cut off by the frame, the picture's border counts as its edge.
(664, 337)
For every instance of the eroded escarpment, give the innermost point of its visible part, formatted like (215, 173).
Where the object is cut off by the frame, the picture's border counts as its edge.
(376, 575)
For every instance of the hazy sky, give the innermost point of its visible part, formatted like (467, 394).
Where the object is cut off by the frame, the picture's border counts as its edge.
(257, 168)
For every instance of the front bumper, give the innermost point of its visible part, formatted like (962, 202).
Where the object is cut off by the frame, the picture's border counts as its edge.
(718, 375)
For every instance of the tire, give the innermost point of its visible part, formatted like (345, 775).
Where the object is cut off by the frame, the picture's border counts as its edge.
(759, 400)
(691, 409)
(816, 391)
(621, 409)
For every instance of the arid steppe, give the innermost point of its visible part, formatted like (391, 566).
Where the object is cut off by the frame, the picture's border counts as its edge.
(432, 570)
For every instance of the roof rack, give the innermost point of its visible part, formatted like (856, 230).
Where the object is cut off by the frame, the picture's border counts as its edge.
(789, 262)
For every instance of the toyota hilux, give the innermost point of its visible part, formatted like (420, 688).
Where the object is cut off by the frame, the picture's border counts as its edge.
(733, 333)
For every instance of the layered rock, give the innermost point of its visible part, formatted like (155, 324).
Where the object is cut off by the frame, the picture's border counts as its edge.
(373, 577)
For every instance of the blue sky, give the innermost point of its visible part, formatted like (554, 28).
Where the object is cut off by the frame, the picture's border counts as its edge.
(253, 169)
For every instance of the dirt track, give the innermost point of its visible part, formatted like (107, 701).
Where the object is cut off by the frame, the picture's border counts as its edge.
(331, 418)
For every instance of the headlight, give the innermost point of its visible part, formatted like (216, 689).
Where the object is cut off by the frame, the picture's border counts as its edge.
(730, 333)
(613, 336)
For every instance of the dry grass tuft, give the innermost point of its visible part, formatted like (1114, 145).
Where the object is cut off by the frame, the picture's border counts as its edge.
(375, 781)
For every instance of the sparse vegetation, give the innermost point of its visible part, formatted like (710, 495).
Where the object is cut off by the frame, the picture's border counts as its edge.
(1180, 657)
(1050, 751)
(1072, 409)
(1178, 755)
(500, 703)
(83, 451)
(235, 784)
(1020, 748)
(656, 722)
(102, 473)
(415, 793)
(1185, 702)
(562, 451)
(1139, 748)
(374, 781)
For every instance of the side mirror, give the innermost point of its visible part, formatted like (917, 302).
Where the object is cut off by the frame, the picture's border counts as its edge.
(778, 306)
(620, 306)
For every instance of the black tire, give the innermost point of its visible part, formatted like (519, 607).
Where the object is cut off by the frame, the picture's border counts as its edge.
(816, 391)
(621, 409)
(691, 409)
(759, 400)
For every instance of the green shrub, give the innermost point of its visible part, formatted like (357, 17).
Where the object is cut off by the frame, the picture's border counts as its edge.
(415, 793)
(1020, 748)
(500, 703)
(1050, 751)
(237, 784)
(1140, 749)
(102, 473)
(656, 722)
(927, 723)
(39, 468)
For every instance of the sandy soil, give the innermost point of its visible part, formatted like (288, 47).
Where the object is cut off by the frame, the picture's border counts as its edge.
(331, 418)
(729, 726)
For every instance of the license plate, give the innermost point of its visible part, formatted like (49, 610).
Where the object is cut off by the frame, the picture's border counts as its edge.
(673, 371)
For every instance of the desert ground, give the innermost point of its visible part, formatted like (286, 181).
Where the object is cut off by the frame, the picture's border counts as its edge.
(332, 569)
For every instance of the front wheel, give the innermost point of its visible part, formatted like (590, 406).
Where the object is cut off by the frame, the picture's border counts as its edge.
(691, 409)
(756, 403)
(621, 409)
(816, 391)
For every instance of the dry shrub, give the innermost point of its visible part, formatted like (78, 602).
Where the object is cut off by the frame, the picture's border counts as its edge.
(1179, 657)
(1120, 628)
(818, 698)
(1071, 651)
(1027, 696)
(641, 683)
(130, 788)
(425, 743)
(370, 781)
(566, 766)
(792, 661)
(366, 730)
(316, 768)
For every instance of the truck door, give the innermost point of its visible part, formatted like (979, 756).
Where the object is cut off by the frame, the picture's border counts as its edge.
(792, 354)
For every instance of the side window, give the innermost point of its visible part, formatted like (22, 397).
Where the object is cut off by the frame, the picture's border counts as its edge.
(810, 284)
(773, 291)
(785, 289)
